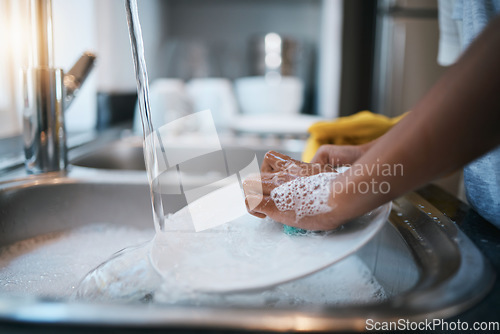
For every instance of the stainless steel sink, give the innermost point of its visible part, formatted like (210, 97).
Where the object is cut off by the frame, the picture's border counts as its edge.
(428, 267)
(128, 155)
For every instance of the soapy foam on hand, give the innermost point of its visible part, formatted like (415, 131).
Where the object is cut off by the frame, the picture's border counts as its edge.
(307, 196)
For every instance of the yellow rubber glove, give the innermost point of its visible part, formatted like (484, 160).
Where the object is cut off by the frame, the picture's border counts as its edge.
(356, 129)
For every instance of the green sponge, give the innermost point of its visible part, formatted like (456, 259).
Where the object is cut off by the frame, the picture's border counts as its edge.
(293, 230)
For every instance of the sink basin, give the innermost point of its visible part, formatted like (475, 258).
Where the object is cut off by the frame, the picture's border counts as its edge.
(427, 267)
(128, 155)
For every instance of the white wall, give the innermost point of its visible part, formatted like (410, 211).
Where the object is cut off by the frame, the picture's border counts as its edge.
(115, 69)
(98, 26)
(9, 122)
(74, 33)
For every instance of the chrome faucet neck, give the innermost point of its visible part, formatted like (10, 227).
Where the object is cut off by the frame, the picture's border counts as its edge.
(47, 92)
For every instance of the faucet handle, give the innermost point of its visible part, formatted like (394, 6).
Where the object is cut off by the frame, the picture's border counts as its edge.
(74, 79)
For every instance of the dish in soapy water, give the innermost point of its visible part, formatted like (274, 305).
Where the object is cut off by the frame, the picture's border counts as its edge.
(249, 253)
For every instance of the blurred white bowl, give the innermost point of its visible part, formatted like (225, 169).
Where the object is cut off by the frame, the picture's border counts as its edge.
(215, 94)
(275, 95)
(168, 101)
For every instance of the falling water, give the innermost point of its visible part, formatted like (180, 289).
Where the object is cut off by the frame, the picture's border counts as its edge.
(98, 284)
(141, 75)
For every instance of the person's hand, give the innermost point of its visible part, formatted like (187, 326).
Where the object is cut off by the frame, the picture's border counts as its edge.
(275, 162)
(278, 169)
(260, 204)
(338, 155)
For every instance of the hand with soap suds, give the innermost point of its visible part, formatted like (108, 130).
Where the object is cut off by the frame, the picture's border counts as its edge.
(340, 155)
(275, 162)
(291, 192)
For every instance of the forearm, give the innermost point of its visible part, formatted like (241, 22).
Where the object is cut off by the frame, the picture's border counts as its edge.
(456, 122)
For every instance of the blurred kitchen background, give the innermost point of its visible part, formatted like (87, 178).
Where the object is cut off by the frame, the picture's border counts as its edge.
(266, 68)
(326, 58)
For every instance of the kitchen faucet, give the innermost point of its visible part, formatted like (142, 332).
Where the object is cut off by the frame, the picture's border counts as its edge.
(47, 92)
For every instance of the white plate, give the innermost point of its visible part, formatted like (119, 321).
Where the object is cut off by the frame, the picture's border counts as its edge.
(296, 125)
(249, 253)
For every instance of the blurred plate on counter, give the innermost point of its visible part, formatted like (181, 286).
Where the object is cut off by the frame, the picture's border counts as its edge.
(295, 125)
